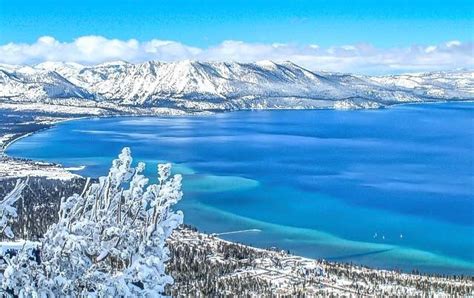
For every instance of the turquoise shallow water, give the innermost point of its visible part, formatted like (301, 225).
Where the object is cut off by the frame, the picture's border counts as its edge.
(387, 188)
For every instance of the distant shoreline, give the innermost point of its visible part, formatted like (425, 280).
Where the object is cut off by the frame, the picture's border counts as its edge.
(22, 166)
(63, 118)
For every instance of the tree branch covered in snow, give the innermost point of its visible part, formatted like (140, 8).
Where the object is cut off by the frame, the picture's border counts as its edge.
(109, 240)
(8, 211)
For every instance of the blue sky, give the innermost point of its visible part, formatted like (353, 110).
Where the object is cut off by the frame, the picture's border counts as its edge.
(365, 36)
(203, 23)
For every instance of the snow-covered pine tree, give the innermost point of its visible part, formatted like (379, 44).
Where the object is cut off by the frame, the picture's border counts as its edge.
(109, 240)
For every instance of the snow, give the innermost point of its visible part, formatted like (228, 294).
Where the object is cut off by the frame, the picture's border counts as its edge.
(194, 85)
(8, 210)
(16, 245)
(109, 241)
(315, 278)
(5, 139)
(11, 168)
(73, 108)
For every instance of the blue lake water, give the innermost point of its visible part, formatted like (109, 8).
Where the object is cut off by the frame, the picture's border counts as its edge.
(390, 188)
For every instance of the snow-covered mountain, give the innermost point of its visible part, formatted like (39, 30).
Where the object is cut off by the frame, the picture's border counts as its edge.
(37, 84)
(198, 86)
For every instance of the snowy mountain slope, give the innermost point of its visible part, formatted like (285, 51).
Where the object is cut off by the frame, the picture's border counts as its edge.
(36, 84)
(193, 85)
(197, 80)
(437, 84)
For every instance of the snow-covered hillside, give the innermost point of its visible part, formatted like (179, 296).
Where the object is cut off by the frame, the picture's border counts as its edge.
(37, 84)
(198, 86)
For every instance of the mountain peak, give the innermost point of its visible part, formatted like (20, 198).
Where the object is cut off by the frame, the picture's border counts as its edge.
(266, 63)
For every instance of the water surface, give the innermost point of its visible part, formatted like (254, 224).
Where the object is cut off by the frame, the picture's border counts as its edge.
(389, 188)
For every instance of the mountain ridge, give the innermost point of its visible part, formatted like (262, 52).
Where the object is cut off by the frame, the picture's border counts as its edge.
(219, 86)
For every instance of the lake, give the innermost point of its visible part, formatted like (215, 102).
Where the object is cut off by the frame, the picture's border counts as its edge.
(389, 188)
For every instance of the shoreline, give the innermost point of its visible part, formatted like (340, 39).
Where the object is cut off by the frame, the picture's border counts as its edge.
(287, 275)
(14, 167)
(4, 146)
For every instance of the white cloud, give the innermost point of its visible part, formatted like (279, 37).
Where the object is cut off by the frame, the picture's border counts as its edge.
(453, 43)
(359, 58)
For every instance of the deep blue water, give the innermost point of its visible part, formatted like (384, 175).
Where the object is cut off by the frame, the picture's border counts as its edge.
(389, 188)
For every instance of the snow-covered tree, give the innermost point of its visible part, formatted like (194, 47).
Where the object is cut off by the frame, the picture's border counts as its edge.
(109, 240)
(8, 211)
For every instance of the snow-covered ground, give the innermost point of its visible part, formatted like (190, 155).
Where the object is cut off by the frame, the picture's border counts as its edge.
(255, 271)
(14, 168)
(5, 139)
(74, 109)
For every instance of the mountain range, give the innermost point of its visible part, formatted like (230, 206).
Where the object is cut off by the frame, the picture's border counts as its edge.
(193, 86)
